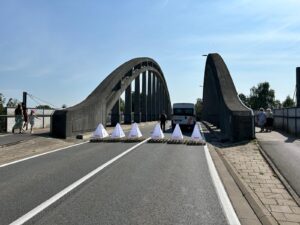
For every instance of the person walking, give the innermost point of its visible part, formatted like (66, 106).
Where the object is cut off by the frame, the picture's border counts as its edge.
(269, 120)
(32, 117)
(18, 119)
(163, 119)
(261, 119)
(25, 116)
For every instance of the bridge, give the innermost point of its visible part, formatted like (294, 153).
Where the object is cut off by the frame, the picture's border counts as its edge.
(221, 104)
(82, 182)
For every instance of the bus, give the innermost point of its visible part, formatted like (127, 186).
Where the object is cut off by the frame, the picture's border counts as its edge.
(184, 115)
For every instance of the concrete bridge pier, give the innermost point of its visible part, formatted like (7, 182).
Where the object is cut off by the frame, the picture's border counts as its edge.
(115, 113)
(149, 97)
(144, 99)
(157, 97)
(128, 105)
(153, 97)
(137, 105)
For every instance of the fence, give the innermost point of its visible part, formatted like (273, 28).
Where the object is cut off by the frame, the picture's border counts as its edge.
(287, 119)
(7, 121)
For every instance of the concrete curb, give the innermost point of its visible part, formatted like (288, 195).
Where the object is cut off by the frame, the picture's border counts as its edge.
(240, 204)
(278, 174)
(261, 212)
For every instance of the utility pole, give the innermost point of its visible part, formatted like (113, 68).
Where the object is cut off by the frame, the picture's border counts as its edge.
(298, 86)
(25, 98)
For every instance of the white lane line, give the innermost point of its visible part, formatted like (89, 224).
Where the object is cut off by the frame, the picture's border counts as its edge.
(4, 135)
(222, 194)
(59, 195)
(45, 153)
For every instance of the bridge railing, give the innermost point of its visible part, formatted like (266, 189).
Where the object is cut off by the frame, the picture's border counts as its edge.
(7, 121)
(288, 120)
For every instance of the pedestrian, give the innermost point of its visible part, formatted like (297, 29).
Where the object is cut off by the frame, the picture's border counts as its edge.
(18, 119)
(32, 117)
(269, 121)
(261, 119)
(25, 116)
(163, 119)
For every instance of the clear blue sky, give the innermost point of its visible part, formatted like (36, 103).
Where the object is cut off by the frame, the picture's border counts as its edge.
(60, 50)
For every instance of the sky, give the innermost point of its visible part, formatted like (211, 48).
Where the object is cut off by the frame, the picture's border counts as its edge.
(61, 50)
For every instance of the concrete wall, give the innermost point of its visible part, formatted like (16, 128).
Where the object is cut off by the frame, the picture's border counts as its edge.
(287, 119)
(221, 104)
(42, 122)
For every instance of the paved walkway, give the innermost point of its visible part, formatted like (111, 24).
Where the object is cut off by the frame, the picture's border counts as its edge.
(284, 151)
(269, 198)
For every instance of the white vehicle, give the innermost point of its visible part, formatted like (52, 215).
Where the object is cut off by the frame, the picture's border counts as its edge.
(184, 115)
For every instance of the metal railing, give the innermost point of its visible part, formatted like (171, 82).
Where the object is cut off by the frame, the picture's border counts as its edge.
(287, 119)
(8, 121)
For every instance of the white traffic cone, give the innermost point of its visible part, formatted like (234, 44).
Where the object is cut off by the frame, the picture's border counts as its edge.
(118, 132)
(135, 131)
(196, 135)
(177, 134)
(100, 132)
(157, 132)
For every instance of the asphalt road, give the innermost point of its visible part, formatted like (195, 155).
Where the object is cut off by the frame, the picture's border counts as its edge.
(286, 157)
(9, 139)
(153, 184)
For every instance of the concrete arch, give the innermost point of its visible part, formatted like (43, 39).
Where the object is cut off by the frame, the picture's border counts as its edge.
(221, 104)
(86, 115)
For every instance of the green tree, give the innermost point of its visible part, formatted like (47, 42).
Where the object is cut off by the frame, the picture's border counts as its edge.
(277, 104)
(244, 99)
(262, 96)
(2, 103)
(64, 106)
(43, 107)
(12, 102)
(198, 108)
(288, 102)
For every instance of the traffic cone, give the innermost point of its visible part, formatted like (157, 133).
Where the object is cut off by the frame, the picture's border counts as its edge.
(177, 134)
(196, 135)
(118, 132)
(157, 132)
(100, 132)
(135, 131)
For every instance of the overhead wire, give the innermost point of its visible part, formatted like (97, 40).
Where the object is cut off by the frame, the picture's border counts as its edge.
(36, 99)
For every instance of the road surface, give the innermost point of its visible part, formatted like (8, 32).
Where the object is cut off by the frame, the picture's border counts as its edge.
(151, 184)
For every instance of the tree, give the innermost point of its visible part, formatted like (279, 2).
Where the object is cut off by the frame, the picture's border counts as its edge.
(12, 102)
(43, 107)
(277, 104)
(198, 108)
(262, 96)
(244, 99)
(2, 103)
(288, 102)
(64, 106)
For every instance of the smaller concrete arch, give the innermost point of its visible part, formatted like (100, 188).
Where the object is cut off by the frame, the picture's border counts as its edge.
(221, 104)
(86, 115)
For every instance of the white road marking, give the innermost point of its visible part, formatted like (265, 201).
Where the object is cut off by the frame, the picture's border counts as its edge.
(59, 195)
(4, 135)
(223, 197)
(45, 153)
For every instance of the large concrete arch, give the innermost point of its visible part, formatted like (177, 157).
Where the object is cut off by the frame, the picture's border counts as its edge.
(86, 115)
(221, 104)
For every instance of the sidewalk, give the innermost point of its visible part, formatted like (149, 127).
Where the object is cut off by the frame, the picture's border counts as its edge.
(260, 185)
(284, 152)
